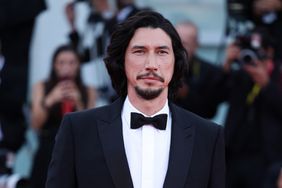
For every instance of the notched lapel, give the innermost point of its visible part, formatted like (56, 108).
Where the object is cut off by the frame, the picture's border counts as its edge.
(110, 133)
(181, 147)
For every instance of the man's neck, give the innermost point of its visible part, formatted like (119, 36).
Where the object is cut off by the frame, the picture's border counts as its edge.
(148, 107)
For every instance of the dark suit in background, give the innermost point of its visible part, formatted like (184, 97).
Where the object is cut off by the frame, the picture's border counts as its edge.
(199, 81)
(17, 20)
(253, 131)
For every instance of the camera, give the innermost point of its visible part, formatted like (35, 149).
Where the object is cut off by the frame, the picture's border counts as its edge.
(251, 49)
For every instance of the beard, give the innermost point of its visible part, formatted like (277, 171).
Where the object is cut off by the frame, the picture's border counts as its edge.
(148, 94)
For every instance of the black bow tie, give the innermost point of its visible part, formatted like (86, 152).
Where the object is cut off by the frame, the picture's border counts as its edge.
(138, 120)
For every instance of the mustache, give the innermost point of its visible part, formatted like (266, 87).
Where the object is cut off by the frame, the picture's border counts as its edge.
(153, 74)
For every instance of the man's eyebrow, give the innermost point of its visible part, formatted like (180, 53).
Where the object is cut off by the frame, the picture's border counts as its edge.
(142, 47)
(163, 47)
(138, 47)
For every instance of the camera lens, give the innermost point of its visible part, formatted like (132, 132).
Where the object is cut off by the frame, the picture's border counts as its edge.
(248, 56)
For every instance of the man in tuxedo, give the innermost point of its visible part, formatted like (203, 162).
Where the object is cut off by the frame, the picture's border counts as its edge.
(142, 140)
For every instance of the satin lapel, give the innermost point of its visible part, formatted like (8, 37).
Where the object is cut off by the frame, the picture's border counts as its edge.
(181, 147)
(110, 133)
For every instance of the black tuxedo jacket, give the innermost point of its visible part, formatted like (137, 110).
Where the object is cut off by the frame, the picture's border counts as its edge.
(89, 151)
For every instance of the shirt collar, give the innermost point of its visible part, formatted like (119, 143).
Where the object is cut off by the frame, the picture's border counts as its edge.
(128, 108)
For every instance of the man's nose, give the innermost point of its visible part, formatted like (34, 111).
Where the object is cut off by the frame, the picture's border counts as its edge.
(151, 62)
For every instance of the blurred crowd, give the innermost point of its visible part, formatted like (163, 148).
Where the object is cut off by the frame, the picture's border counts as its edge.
(248, 79)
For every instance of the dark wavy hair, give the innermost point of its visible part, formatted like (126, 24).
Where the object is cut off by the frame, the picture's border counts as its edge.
(120, 39)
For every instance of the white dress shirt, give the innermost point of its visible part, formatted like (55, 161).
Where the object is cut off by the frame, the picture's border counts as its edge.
(146, 148)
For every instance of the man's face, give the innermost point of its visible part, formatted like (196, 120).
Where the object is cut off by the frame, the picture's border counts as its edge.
(149, 63)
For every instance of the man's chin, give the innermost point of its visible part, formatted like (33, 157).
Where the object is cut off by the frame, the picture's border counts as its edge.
(149, 93)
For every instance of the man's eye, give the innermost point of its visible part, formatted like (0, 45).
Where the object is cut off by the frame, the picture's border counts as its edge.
(162, 52)
(138, 52)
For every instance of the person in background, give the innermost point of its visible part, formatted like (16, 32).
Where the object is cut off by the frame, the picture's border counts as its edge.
(194, 95)
(261, 13)
(125, 9)
(142, 139)
(17, 21)
(62, 93)
(268, 14)
(91, 43)
(252, 86)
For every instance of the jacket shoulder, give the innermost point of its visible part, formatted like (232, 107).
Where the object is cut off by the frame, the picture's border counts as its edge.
(105, 113)
(190, 118)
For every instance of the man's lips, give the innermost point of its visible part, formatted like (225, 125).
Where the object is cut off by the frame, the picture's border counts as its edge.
(150, 76)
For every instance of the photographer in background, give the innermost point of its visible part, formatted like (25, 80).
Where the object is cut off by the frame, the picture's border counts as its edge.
(261, 13)
(268, 14)
(253, 126)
